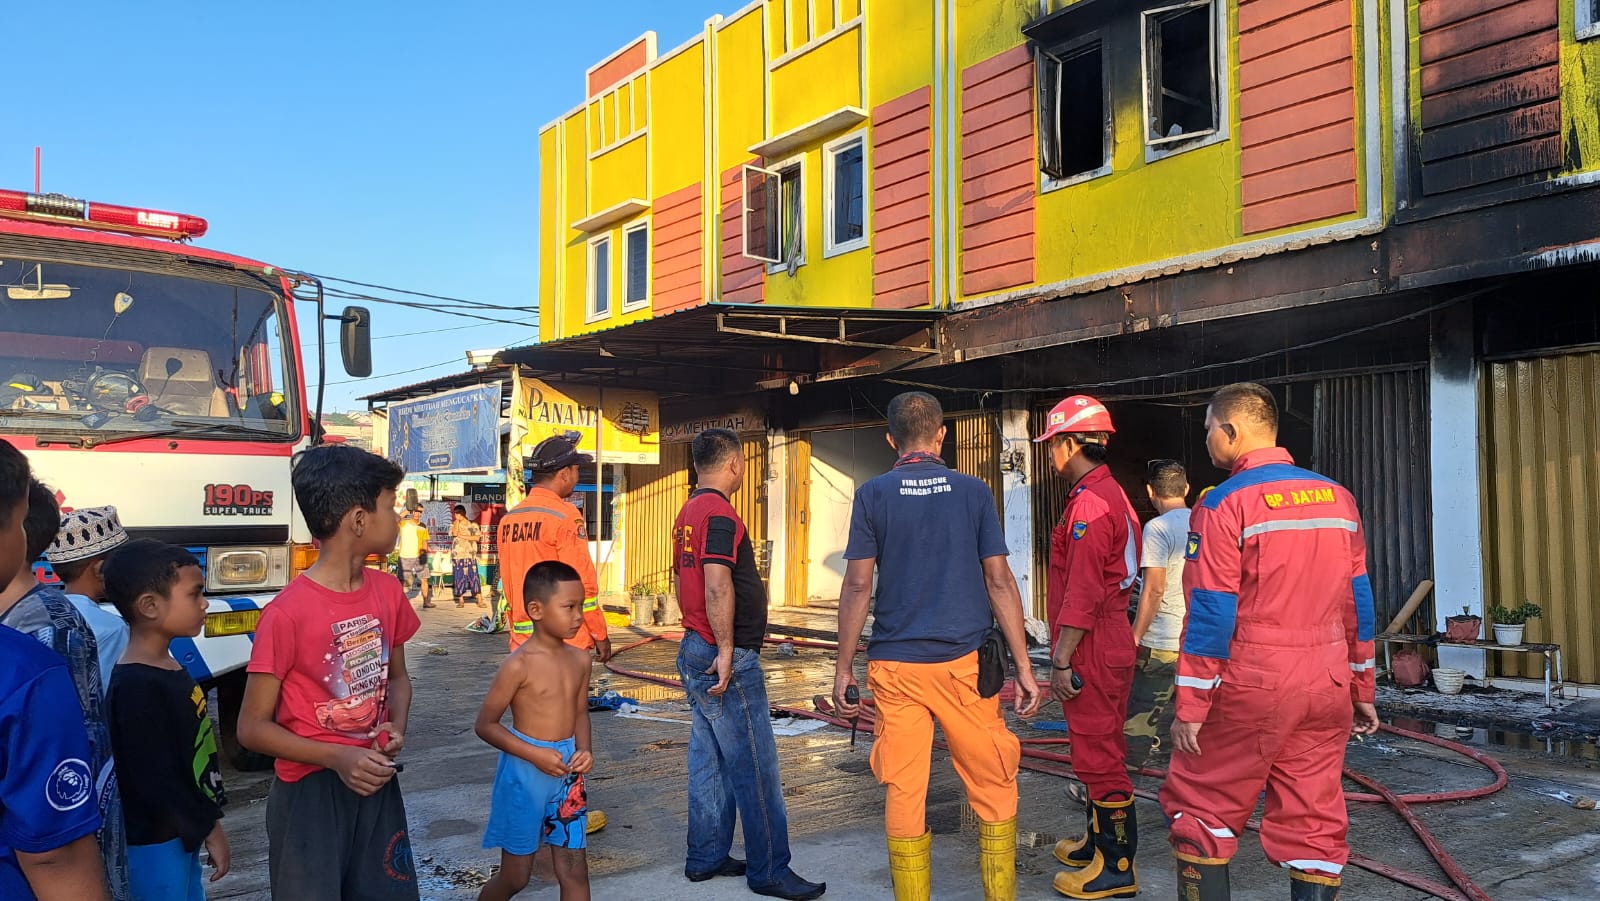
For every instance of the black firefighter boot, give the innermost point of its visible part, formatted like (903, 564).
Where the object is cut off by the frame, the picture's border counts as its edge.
(1202, 878)
(1305, 886)
(1111, 873)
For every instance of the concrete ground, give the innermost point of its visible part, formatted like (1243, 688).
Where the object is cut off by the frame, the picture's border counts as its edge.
(1521, 843)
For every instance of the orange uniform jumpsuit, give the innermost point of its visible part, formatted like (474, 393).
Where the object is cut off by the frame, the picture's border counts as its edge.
(545, 527)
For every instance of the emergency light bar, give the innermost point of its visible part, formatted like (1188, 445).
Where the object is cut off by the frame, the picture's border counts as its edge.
(64, 210)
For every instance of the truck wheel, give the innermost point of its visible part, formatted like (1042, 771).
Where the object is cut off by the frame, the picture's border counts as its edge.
(230, 696)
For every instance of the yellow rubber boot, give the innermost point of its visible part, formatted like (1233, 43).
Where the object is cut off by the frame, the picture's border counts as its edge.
(1078, 852)
(910, 866)
(997, 859)
(1111, 873)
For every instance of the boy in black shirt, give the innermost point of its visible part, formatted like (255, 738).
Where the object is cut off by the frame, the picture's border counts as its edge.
(166, 750)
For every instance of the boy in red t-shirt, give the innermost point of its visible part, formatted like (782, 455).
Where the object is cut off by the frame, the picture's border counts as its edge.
(329, 696)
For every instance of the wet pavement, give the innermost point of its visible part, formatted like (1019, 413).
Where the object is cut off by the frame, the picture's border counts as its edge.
(1524, 842)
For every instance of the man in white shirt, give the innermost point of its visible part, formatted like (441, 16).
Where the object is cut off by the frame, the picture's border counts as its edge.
(78, 555)
(1159, 625)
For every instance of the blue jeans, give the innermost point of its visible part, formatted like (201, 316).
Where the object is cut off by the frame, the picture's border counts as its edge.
(733, 766)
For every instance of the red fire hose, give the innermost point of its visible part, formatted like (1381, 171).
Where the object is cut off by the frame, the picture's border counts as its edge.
(1050, 762)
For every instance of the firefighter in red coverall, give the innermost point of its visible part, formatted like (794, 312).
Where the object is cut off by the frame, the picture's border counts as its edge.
(1094, 557)
(1276, 667)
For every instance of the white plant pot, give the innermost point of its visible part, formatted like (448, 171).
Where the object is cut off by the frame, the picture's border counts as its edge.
(1508, 635)
(1449, 681)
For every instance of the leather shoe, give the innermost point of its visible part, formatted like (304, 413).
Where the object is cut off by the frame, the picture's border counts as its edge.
(792, 888)
(731, 866)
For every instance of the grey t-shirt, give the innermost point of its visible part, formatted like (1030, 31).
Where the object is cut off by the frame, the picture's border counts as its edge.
(1164, 541)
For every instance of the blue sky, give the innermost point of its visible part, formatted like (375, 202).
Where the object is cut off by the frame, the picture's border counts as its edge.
(393, 143)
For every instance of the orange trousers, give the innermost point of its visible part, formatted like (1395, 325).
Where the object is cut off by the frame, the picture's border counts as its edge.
(909, 697)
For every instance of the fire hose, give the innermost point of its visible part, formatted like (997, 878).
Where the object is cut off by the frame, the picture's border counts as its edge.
(1035, 759)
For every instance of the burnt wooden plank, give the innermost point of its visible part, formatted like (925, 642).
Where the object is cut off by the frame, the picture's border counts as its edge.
(1511, 126)
(1439, 13)
(1494, 165)
(1522, 89)
(1503, 24)
(1329, 272)
(1517, 55)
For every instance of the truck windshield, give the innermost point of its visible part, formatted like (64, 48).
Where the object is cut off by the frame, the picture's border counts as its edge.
(98, 351)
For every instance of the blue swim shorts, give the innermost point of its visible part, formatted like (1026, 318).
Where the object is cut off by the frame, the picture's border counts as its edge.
(529, 808)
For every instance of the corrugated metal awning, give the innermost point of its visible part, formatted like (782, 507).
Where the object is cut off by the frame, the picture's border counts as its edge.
(718, 348)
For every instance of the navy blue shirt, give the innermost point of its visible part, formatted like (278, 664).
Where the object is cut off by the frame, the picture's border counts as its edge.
(47, 790)
(930, 529)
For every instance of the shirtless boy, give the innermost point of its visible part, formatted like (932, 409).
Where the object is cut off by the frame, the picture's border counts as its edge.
(539, 796)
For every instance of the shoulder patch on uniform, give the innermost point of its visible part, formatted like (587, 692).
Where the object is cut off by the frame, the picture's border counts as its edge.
(1191, 550)
(1079, 529)
(70, 785)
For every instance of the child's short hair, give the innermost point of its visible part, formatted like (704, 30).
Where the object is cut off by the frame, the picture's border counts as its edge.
(331, 480)
(542, 579)
(460, 509)
(14, 475)
(141, 566)
(44, 516)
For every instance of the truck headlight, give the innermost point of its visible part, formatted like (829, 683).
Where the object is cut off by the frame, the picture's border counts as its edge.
(239, 568)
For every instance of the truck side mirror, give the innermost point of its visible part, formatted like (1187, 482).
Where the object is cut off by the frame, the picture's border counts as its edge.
(355, 341)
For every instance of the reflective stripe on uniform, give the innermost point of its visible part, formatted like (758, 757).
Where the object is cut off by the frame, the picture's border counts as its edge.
(591, 604)
(1326, 866)
(1298, 525)
(523, 627)
(1363, 667)
(1219, 832)
(1202, 684)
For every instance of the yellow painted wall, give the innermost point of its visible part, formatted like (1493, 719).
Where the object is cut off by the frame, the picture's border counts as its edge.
(619, 174)
(740, 102)
(550, 226)
(574, 206)
(1580, 96)
(677, 92)
(1179, 205)
(844, 280)
(899, 48)
(817, 82)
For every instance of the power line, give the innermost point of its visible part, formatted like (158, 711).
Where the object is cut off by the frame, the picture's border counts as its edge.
(430, 331)
(418, 368)
(342, 295)
(458, 300)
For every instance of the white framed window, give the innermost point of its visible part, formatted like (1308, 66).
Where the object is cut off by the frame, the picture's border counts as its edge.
(1586, 18)
(1182, 89)
(844, 198)
(635, 266)
(1075, 129)
(774, 215)
(599, 279)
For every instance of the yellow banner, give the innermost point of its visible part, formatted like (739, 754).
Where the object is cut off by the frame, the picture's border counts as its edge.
(614, 425)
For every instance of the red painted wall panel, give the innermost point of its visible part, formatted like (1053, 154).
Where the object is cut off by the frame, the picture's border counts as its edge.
(999, 175)
(743, 279)
(676, 240)
(1297, 109)
(902, 197)
(632, 58)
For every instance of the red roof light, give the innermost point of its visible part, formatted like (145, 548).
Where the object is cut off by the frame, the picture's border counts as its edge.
(63, 210)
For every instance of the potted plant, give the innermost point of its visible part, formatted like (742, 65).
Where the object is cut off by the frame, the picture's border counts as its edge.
(1510, 621)
(1465, 627)
(670, 614)
(642, 595)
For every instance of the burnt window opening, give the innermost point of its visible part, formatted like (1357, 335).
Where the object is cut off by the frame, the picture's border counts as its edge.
(1074, 112)
(1180, 73)
(774, 213)
(1587, 19)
